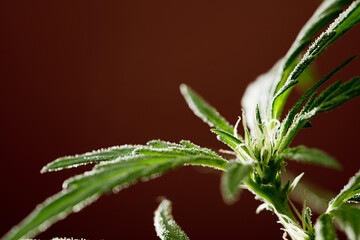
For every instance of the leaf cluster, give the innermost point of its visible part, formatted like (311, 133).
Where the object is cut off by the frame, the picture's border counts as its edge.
(259, 157)
(115, 168)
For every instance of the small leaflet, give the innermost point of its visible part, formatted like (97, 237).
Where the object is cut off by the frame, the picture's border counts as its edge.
(310, 155)
(106, 154)
(165, 225)
(203, 110)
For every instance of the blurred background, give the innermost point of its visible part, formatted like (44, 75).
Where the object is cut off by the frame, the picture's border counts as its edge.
(83, 75)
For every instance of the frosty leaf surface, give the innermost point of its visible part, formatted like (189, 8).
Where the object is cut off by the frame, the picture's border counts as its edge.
(309, 94)
(259, 157)
(204, 111)
(162, 144)
(270, 90)
(177, 151)
(345, 21)
(227, 138)
(165, 225)
(332, 97)
(324, 228)
(340, 95)
(100, 155)
(310, 155)
(107, 176)
(350, 189)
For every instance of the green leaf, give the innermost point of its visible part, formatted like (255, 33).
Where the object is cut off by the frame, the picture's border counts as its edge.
(324, 228)
(295, 182)
(204, 111)
(342, 94)
(354, 199)
(188, 144)
(332, 97)
(306, 217)
(165, 225)
(162, 144)
(350, 189)
(177, 151)
(346, 20)
(96, 156)
(227, 138)
(234, 143)
(270, 90)
(310, 155)
(349, 220)
(316, 197)
(262, 91)
(107, 176)
(236, 172)
(290, 116)
(323, 95)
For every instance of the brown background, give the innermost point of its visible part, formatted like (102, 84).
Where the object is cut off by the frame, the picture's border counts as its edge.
(81, 75)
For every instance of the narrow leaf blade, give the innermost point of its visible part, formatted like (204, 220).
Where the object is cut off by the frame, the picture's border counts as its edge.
(107, 176)
(342, 94)
(203, 110)
(96, 156)
(162, 144)
(311, 155)
(350, 189)
(229, 138)
(290, 117)
(165, 225)
(345, 21)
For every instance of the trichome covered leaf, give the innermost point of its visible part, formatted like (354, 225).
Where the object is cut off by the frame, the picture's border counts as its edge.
(81, 190)
(350, 189)
(106, 154)
(324, 228)
(204, 111)
(165, 225)
(310, 155)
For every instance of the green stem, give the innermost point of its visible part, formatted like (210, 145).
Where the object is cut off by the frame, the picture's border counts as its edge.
(272, 196)
(278, 203)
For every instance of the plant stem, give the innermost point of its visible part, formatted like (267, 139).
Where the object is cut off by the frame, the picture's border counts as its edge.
(278, 203)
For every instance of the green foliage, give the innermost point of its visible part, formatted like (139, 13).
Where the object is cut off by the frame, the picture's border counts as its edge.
(290, 116)
(345, 21)
(259, 156)
(203, 110)
(354, 199)
(315, 156)
(165, 226)
(324, 228)
(79, 191)
(90, 157)
(236, 172)
(350, 190)
(349, 220)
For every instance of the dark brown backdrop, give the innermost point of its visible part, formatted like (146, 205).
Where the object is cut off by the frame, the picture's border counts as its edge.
(81, 75)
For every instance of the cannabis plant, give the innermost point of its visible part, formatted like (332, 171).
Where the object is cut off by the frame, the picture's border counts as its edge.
(258, 158)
